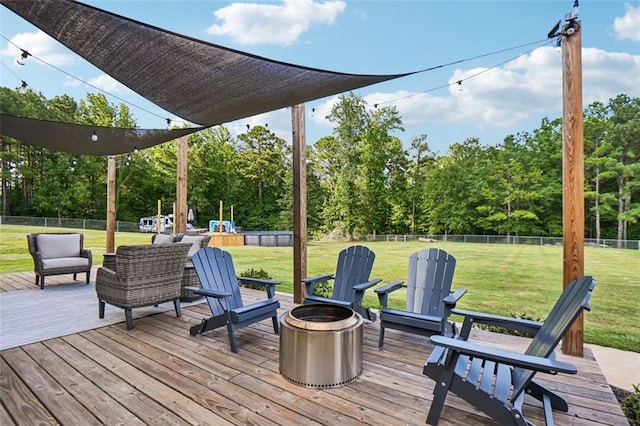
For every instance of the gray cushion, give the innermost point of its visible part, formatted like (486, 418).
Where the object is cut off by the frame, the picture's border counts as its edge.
(196, 243)
(64, 262)
(164, 239)
(62, 245)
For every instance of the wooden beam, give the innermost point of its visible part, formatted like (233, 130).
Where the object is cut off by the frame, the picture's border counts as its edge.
(572, 173)
(111, 204)
(180, 218)
(299, 201)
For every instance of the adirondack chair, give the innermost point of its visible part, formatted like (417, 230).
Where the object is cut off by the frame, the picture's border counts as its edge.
(220, 286)
(495, 381)
(350, 281)
(429, 298)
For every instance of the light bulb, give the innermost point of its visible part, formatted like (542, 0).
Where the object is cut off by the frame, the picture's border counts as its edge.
(94, 136)
(22, 57)
(135, 150)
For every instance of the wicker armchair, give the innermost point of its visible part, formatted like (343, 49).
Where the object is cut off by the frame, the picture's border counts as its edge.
(146, 275)
(57, 254)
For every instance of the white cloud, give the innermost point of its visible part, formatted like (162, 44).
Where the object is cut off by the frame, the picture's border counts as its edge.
(39, 45)
(507, 96)
(108, 84)
(628, 26)
(253, 23)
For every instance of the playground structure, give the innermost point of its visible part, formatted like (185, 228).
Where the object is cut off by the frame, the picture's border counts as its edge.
(228, 226)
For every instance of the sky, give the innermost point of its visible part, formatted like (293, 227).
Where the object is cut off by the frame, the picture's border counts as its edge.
(510, 72)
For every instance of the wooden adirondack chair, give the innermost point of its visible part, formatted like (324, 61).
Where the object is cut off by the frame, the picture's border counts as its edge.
(220, 286)
(495, 381)
(351, 280)
(429, 298)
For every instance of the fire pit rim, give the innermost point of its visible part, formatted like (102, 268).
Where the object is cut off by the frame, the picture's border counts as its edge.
(349, 319)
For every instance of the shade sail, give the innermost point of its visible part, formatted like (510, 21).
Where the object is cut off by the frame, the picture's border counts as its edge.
(198, 81)
(76, 138)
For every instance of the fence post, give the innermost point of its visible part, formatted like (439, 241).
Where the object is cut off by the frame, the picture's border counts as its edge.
(45, 222)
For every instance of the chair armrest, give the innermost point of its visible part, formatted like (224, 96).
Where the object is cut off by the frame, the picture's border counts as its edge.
(257, 281)
(364, 286)
(545, 365)
(311, 282)
(383, 292)
(471, 317)
(210, 293)
(85, 253)
(270, 285)
(318, 279)
(453, 298)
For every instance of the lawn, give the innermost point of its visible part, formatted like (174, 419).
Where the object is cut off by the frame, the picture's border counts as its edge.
(502, 279)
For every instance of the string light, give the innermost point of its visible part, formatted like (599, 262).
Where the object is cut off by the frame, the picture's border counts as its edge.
(23, 56)
(23, 87)
(94, 136)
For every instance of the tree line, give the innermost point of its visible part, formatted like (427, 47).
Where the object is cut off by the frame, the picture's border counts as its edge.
(361, 179)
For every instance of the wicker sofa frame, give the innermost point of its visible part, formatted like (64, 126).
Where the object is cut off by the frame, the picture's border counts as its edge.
(39, 261)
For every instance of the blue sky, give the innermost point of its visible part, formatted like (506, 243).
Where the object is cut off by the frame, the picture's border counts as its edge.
(501, 94)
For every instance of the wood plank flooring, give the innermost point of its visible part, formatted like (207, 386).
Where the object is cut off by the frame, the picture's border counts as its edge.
(158, 374)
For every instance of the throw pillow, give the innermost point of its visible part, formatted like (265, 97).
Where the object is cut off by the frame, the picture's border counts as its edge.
(163, 239)
(196, 243)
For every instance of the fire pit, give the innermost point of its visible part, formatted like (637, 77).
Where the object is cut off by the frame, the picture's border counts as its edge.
(321, 345)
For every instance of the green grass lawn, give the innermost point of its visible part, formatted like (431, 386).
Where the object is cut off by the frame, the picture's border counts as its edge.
(502, 279)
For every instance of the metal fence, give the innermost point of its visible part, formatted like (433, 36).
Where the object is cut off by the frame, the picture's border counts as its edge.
(55, 222)
(500, 239)
(285, 238)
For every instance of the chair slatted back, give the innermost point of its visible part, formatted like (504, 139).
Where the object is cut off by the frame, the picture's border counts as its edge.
(429, 281)
(574, 299)
(216, 272)
(354, 267)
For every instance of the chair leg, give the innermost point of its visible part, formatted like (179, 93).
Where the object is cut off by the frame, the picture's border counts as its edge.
(381, 338)
(232, 338)
(276, 326)
(88, 274)
(75, 276)
(101, 309)
(440, 391)
(176, 304)
(129, 316)
(41, 282)
(37, 279)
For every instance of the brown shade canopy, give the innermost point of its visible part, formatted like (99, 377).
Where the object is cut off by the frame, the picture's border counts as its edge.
(197, 81)
(77, 138)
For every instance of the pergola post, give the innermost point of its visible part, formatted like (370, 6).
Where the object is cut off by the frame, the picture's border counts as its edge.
(572, 173)
(299, 201)
(111, 203)
(180, 215)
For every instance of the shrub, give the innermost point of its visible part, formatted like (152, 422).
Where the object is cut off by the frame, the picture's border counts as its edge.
(631, 406)
(503, 330)
(254, 273)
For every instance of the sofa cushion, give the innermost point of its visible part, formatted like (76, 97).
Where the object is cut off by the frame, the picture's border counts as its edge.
(196, 243)
(64, 262)
(164, 239)
(53, 246)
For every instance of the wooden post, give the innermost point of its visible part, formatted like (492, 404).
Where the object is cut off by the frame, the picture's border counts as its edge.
(111, 204)
(572, 173)
(180, 217)
(299, 202)
(220, 224)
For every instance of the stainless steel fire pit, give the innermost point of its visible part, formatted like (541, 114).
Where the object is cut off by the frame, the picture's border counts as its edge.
(321, 345)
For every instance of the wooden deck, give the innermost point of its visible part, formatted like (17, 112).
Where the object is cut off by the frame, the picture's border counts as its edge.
(158, 374)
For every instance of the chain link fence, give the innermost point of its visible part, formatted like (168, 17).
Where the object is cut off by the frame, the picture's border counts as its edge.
(285, 238)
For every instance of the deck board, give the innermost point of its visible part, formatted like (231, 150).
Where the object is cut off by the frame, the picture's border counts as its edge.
(159, 374)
